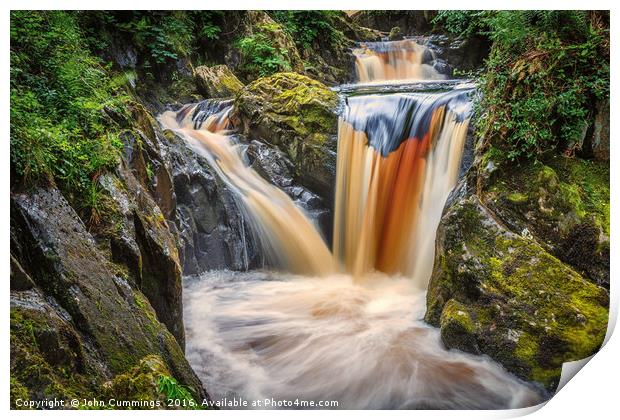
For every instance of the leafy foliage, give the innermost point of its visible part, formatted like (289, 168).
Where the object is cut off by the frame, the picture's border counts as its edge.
(61, 97)
(169, 386)
(545, 73)
(307, 26)
(159, 36)
(260, 56)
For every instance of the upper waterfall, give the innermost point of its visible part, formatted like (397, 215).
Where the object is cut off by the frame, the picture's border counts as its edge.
(395, 60)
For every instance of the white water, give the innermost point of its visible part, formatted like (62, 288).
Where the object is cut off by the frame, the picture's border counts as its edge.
(260, 335)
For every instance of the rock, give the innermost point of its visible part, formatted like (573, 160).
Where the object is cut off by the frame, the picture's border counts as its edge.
(212, 229)
(563, 204)
(20, 280)
(142, 383)
(500, 294)
(600, 132)
(217, 81)
(144, 244)
(464, 54)
(90, 319)
(274, 166)
(395, 34)
(296, 114)
(411, 22)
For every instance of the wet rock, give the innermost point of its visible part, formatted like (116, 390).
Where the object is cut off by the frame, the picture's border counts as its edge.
(411, 22)
(216, 81)
(464, 54)
(212, 228)
(20, 280)
(495, 292)
(296, 114)
(442, 67)
(99, 325)
(144, 243)
(563, 204)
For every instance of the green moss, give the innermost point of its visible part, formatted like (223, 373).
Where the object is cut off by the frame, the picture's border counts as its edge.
(290, 102)
(18, 391)
(590, 180)
(517, 197)
(455, 312)
(505, 296)
(42, 371)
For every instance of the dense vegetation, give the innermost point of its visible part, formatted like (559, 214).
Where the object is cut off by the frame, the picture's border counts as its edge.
(546, 71)
(66, 100)
(61, 99)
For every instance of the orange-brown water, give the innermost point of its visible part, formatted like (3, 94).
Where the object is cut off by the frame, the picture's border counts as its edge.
(391, 187)
(397, 60)
(288, 237)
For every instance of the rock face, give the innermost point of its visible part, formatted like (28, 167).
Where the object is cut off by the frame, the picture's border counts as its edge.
(296, 114)
(521, 265)
(563, 204)
(464, 54)
(212, 232)
(500, 293)
(216, 81)
(83, 322)
(410, 22)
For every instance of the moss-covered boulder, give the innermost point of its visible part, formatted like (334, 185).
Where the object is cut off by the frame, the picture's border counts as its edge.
(216, 81)
(148, 385)
(501, 294)
(296, 114)
(83, 316)
(563, 204)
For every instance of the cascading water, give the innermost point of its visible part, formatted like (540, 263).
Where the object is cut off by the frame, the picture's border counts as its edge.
(398, 159)
(396, 60)
(351, 328)
(270, 211)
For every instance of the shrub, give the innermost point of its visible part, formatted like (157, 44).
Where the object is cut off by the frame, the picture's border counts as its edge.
(307, 26)
(260, 56)
(60, 98)
(545, 72)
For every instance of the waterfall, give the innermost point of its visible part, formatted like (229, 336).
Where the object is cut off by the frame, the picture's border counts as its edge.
(398, 159)
(350, 329)
(396, 60)
(288, 237)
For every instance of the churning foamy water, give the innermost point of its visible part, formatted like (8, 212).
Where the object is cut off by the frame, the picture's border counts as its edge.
(259, 335)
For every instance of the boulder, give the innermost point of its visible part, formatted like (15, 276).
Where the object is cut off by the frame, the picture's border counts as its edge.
(563, 204)
(499, 293)
(296, 114)
(216, 81)
(212, 228)
(84, 321)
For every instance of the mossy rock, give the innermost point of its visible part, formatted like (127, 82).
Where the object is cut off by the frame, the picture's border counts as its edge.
(112, 325)
(140, 383)
(501, 294)
(216, 81)
(296, 114)
(563, 203)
